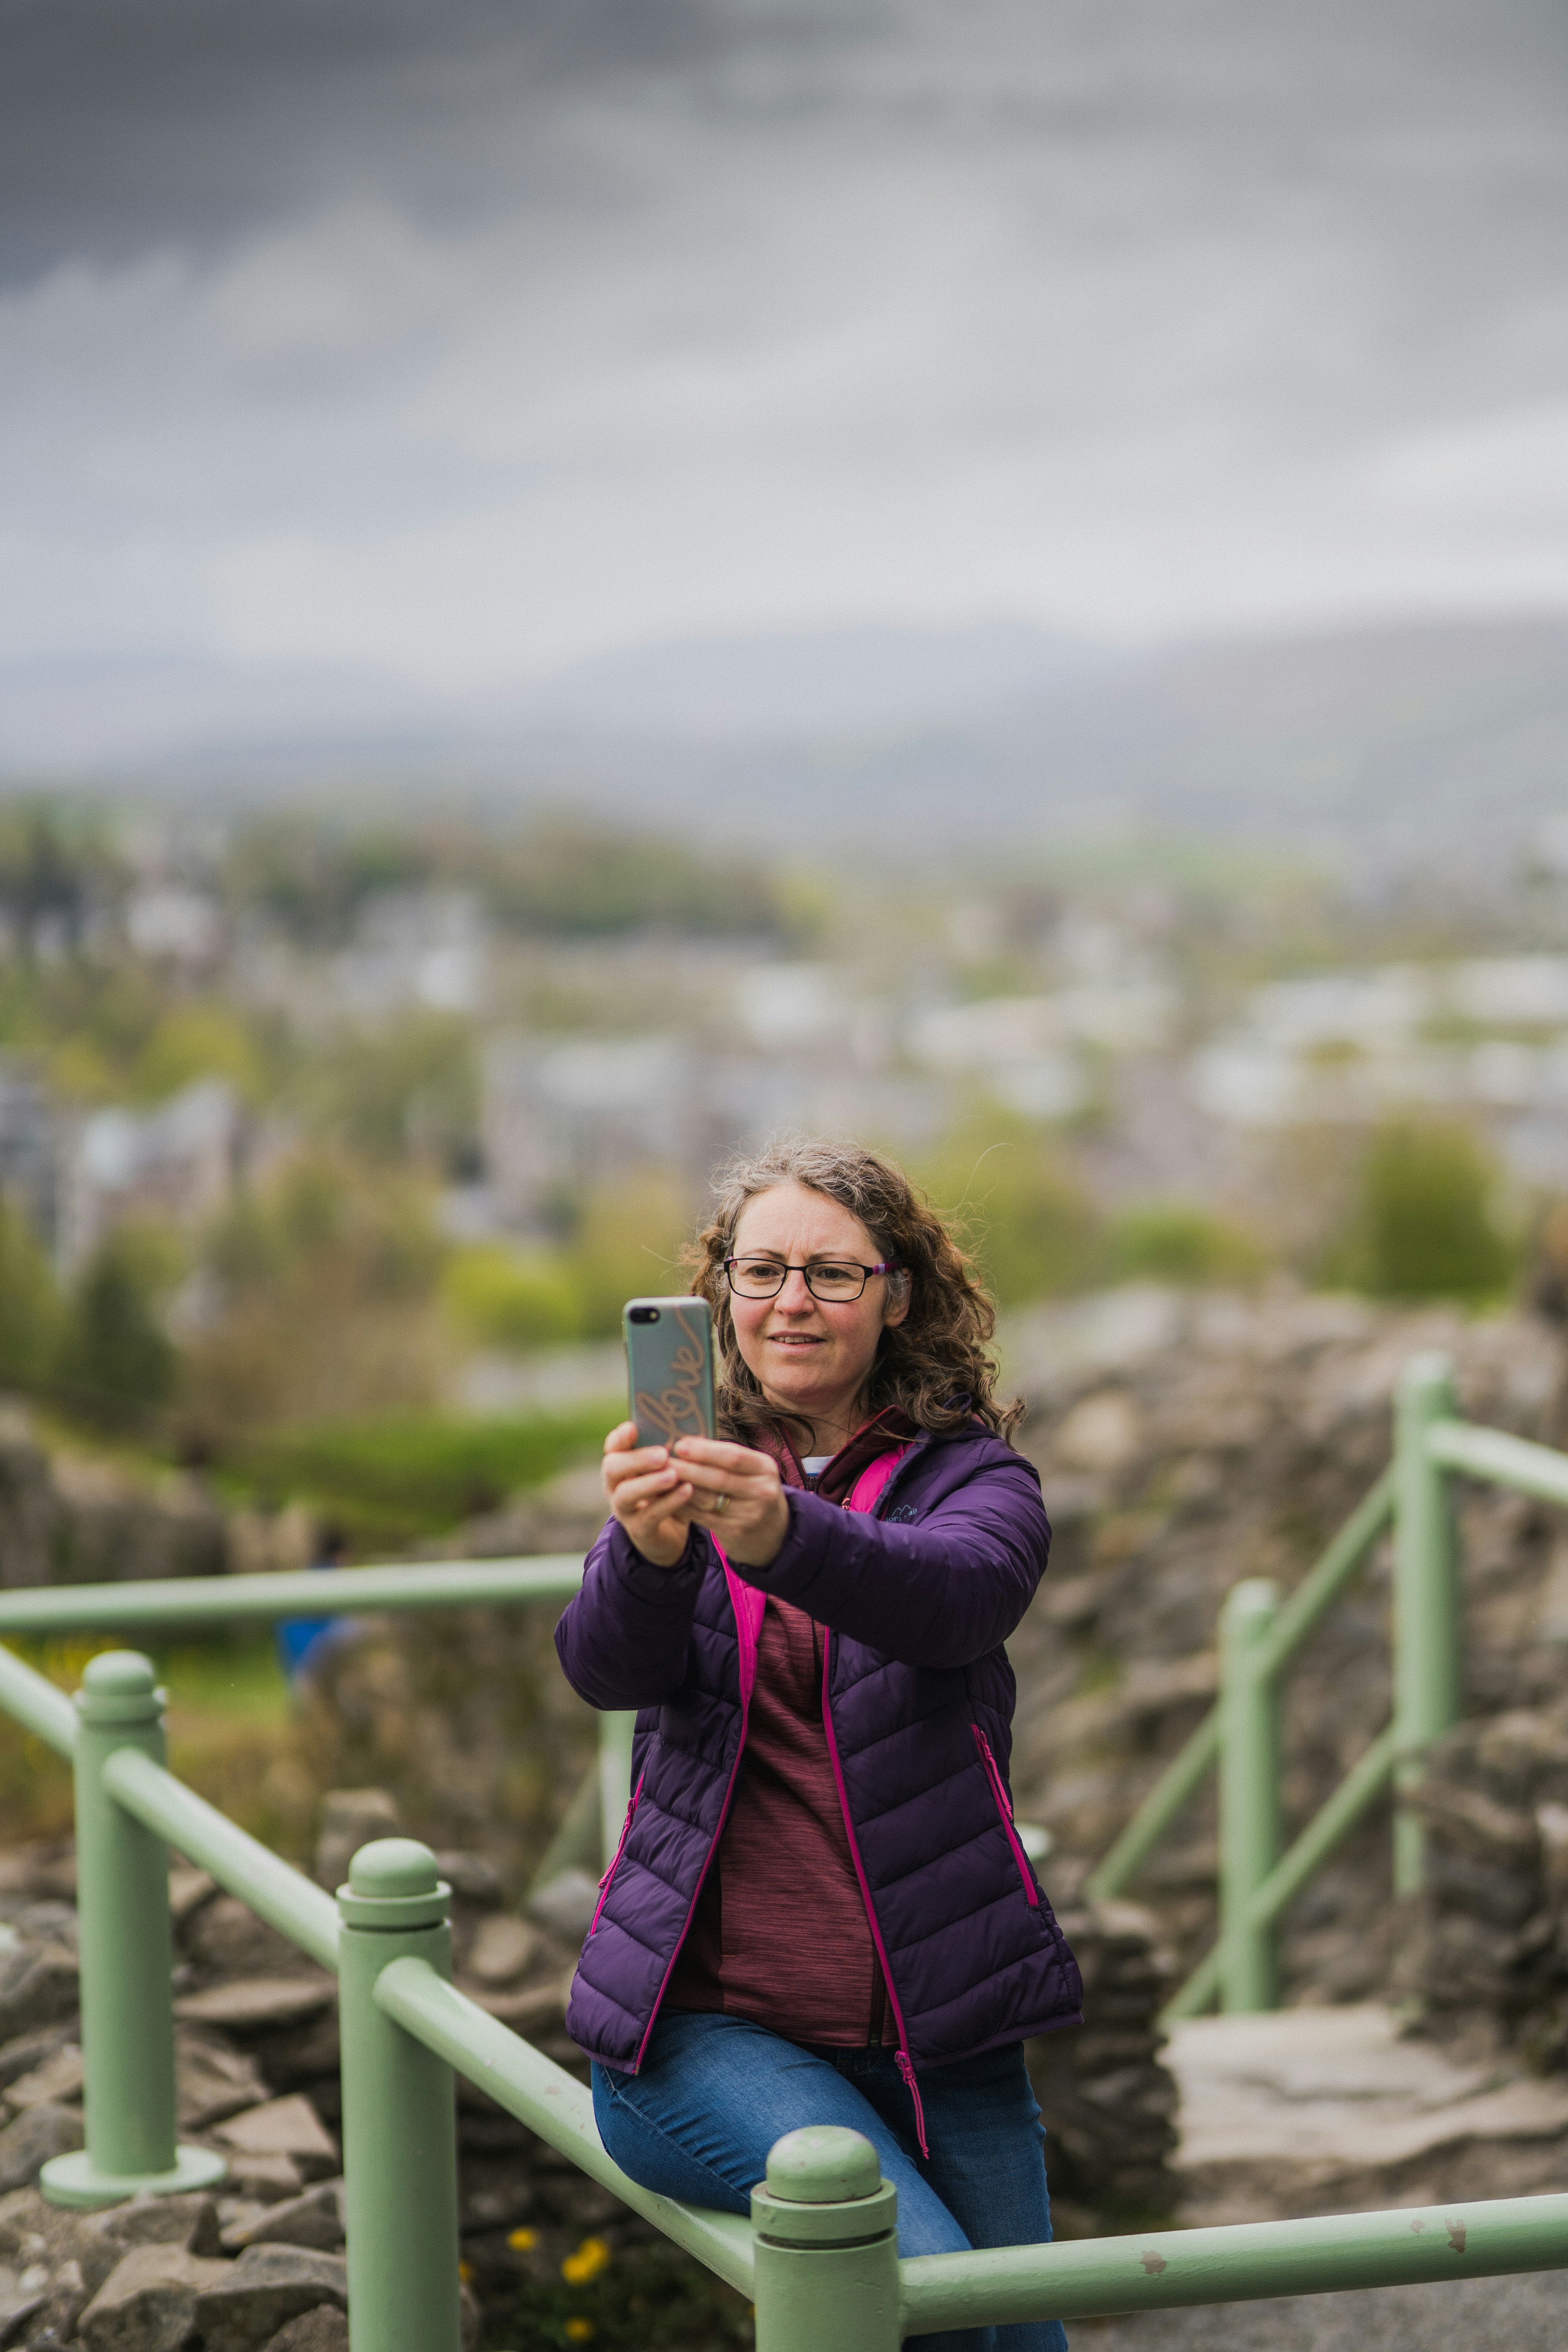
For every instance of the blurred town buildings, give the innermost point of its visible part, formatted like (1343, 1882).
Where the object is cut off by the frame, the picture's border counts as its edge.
(694, 1049)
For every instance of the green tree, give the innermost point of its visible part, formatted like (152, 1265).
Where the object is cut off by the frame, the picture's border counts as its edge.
(324, 1290)
(54, 862)
(117, 1364)
(505, 1299)
(312, 878)
(563, 876)
(1178, 1241)
(407, 1086)
(1032, 1230)
(625, 1244)
(31, 1310)
(204, 1040)
(1425, 1224)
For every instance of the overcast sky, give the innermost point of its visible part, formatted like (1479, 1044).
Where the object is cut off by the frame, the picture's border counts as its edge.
(449, 344)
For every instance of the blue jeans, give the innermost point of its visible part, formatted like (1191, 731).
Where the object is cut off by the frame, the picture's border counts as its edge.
(716, 2092)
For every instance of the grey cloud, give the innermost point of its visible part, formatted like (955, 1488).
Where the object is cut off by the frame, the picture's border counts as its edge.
(450, 344)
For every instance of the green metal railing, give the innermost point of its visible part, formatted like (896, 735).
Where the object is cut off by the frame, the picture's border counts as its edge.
(1259, 1636)
(819, 2254)
(594, 1819)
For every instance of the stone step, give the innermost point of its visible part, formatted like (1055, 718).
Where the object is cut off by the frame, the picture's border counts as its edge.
(1336, 2110)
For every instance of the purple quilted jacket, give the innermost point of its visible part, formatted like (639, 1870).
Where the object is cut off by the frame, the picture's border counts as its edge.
(917, 1597)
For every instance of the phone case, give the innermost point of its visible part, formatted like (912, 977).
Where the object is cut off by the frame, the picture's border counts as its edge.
(669, 1367)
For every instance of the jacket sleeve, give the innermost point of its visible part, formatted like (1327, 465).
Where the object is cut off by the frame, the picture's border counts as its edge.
(623, 1639)
(941, 1593)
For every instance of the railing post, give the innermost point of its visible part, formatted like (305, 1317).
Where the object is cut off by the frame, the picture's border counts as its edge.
(1249, 1811)
(126, 1956)
(1427, 1629)
(615, 1729)
(827, 2246)
(400, 2137)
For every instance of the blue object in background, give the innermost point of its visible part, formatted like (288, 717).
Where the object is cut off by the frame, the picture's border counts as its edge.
(299, 1638)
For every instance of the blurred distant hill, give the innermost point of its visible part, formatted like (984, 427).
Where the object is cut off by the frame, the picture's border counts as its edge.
(1421, 737)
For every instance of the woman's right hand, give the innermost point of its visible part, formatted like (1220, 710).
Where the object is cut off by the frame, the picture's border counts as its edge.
(648, 1494)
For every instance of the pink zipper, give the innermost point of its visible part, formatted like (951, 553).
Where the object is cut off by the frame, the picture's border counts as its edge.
(906, 2064)
(748, 1606)
(999, 1790)
(608, 1879)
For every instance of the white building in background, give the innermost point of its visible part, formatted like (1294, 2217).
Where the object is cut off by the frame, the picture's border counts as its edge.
(784, 1006)
(1034, 1053)
(1352, 1047)
(416, 948)
(171, 924)
(564, 1116)
(177, 1164)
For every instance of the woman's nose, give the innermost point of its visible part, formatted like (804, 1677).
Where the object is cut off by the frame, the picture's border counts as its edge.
(795, 1296)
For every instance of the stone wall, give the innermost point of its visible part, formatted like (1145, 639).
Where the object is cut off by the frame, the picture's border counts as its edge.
(258, 2056)
(78, 1519)
(1108, 2099)
(1486, 1953)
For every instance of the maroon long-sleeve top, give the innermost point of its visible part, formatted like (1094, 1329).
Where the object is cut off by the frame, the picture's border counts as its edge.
(781, 1933)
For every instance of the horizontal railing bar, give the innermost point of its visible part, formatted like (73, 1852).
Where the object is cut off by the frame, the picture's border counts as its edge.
(1322, 1586)
(1501, 1460)
(284, 1897)
(1311, 1602)
(552, 2103)
(1361, 1784)
(1412, 2246)
(37, 1705)
(349, 1591)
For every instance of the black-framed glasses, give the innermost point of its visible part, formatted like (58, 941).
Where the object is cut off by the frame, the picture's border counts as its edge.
(835, 1280)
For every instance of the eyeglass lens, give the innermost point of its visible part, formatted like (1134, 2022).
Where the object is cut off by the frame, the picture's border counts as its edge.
(761, 1277)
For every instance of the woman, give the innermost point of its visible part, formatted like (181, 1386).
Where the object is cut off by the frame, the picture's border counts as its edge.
(820, 1911)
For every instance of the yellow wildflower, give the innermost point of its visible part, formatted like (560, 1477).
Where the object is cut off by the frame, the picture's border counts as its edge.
(578, 2331)
(591, 2257)
(521, 2241)
(465, 2273)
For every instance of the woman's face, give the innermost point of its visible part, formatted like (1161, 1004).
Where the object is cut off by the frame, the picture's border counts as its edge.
(810, 1356)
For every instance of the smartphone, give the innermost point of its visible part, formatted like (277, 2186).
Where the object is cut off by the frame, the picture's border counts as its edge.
(669, 1367)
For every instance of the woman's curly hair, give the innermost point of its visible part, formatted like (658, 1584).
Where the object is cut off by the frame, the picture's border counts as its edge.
(934, 1367)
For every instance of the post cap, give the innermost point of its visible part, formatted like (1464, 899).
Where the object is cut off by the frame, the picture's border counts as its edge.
(823, 2163)
(825, 2187)
(394, 1883)
(394, 1865)
(123, 1673)
(120, 1686)
(1254, 1597)
(1427, 1377)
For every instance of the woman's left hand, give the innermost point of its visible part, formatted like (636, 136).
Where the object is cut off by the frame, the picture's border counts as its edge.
(737, 1495)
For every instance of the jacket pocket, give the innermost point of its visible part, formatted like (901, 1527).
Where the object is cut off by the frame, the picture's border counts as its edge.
(999, 1793)
(608, 1879)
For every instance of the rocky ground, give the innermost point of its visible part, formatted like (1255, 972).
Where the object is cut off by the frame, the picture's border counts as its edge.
(1345, 2109)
